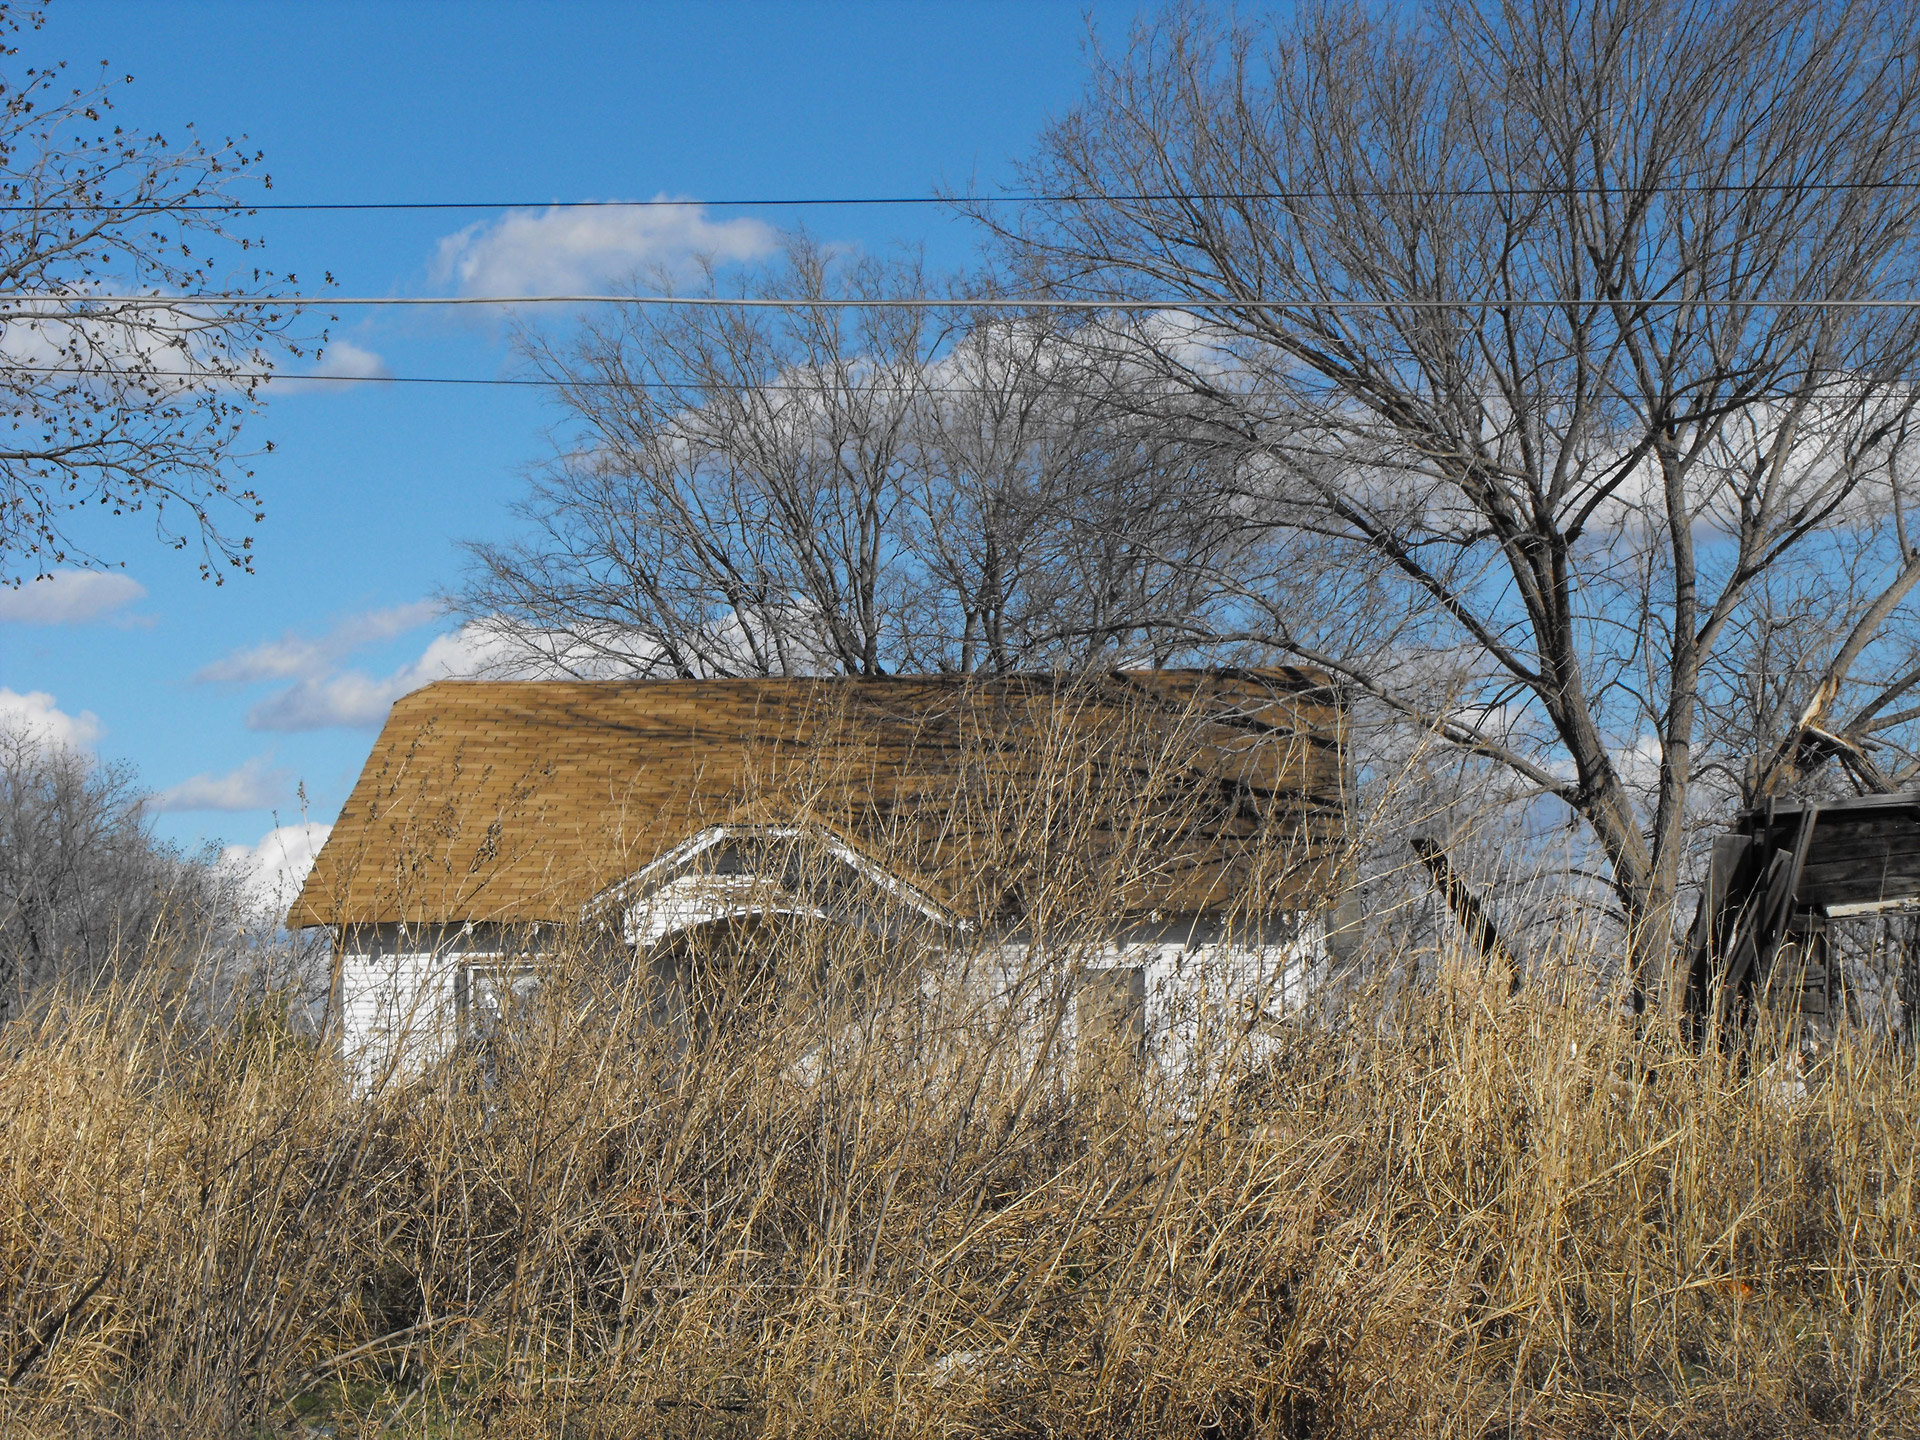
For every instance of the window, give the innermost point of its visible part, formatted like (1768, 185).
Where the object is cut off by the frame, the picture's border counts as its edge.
(1110, 1015)
(496, 1000)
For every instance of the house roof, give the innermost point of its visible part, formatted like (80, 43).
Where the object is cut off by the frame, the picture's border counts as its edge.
(519, 801)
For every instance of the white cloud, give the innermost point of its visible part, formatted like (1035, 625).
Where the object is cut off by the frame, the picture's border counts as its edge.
(69, 597)
(276, 865)
(355, 698)
(352, 698)
(470, 650)
(1639, 763)
(310, 657)
(559, 251)
(251, 787)
(123, 355)
(325, 694)
(36, 716)
(340, 361)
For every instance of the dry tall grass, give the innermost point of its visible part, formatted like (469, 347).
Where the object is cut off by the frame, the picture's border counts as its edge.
(850, 1198)
(1479, 1219)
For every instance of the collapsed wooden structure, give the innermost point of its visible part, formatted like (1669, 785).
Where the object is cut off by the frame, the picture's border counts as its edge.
(1776, 881)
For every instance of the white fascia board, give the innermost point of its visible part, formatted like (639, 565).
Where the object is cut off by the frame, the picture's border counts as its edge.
(652, 875)
(1873, 907)
(909, 895)
(680, 854)
(690, 900)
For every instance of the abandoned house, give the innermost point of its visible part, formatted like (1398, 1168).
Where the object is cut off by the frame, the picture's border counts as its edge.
(1184, 826)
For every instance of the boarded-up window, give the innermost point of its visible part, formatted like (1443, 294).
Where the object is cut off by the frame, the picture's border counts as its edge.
(1111, 1016)
(497, 1000)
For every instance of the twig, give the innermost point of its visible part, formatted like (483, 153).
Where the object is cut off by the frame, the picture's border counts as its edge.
(379, 1342)
(51, 1331)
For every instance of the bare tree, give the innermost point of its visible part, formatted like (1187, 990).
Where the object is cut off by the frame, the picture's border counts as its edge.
(727, 499)
(1056, 521)
(86, 892)
(115, 407)
(818, 489)
(1518, 319)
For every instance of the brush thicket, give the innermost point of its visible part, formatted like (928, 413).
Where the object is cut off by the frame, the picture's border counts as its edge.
(850, 1188)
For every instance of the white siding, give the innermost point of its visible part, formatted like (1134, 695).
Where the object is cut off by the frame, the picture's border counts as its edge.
(397, 1014)
(1217, 1003)
(1214, 999)
(1210, 999)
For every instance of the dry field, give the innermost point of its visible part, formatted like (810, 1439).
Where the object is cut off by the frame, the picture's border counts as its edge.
(861, 1210)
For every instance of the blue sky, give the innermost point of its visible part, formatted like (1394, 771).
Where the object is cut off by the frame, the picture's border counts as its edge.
(231, 697)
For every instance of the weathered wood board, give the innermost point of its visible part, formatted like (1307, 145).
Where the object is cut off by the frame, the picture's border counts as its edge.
(1777, 880)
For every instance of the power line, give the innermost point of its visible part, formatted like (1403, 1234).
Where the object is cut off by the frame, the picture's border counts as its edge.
(78, 304)
(225, 377)
(322, 206)
(1466, 192)
(275, 376)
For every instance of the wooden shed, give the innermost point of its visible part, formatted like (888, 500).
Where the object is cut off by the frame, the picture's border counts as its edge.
(1777, 880)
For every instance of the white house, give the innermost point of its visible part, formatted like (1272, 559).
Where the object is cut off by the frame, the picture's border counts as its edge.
(1198, 813)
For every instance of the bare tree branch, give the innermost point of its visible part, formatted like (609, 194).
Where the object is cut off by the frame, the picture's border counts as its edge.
(118, 409)
(1627, 480)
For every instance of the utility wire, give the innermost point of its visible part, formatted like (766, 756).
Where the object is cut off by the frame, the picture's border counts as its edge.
(138, 377)
(81, 303)
(1735, 187)
(227, 377)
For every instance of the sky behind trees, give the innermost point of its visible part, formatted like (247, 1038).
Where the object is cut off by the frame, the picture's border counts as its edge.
(229, 698)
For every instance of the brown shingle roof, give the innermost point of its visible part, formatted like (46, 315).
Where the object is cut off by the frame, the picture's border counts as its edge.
(519, 801)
